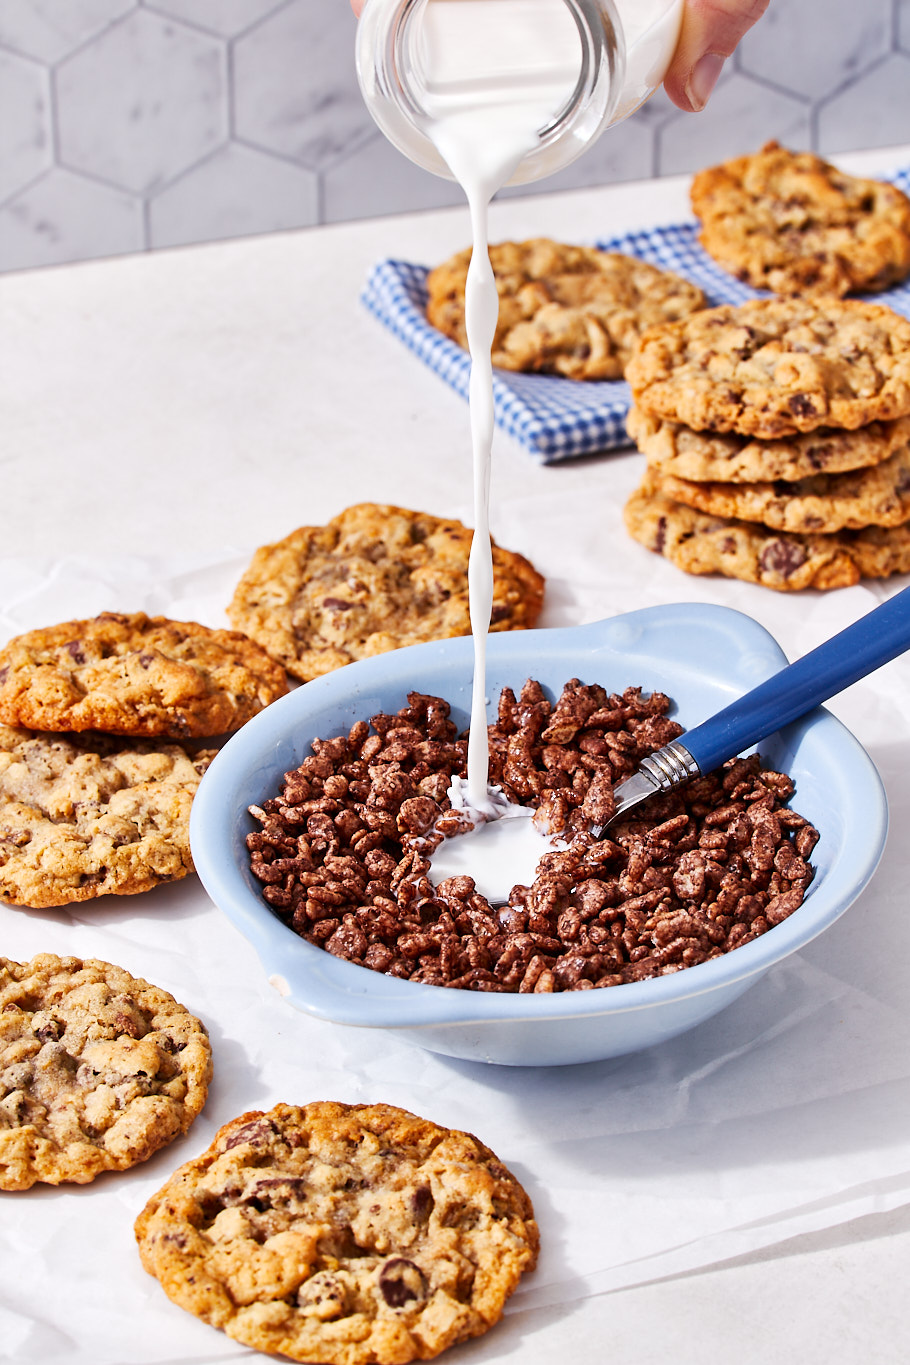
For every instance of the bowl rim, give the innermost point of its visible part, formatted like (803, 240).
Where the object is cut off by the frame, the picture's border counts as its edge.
(345, 992)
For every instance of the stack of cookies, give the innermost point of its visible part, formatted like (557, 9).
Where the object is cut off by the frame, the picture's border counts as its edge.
(94, 794)
(776, 438)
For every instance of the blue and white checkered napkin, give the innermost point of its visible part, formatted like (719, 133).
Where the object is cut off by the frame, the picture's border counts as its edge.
(555, 418)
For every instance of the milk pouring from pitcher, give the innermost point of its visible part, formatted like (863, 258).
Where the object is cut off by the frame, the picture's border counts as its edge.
(492, 93)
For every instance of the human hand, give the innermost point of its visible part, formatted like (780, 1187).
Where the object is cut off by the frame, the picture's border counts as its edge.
(710, 31)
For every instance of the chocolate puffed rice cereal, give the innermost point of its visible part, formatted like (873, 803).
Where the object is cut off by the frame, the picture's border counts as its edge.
(343, 851)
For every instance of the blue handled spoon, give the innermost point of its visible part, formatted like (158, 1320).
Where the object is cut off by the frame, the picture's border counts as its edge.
(863, 647)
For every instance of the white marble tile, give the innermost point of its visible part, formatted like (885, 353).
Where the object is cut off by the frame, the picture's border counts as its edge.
(239, 116)
(295, 87)
(64, 217)
(25, 130)
(378, 179)
(741, 116)
(234, 193)
(813, 46)
(226, 17)
(871, 111)
(143, 102)
(49, 29)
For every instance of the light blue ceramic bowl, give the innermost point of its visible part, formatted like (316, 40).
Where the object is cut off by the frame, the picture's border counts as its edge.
(703, 657)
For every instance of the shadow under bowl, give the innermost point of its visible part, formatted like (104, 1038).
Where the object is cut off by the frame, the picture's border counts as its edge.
(703, 657)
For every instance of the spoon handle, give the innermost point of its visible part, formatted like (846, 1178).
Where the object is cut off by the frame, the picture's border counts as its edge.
(875, 639)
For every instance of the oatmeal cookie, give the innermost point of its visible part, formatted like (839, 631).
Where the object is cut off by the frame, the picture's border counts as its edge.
(792, 223)
(87, 815)
(702, 544)
(822, 502)
(98, 1070)
(775, 367)
(568, 310)
(136, 675)
(348, 1234)
(373, 579)
(725, 457)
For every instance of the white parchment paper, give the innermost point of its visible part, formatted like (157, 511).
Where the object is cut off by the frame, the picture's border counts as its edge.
(787, 1113)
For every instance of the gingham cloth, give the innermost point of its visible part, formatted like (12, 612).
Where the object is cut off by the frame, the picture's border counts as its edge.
(554, 418)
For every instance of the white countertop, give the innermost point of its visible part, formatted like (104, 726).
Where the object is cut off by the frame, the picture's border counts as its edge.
(161, 416)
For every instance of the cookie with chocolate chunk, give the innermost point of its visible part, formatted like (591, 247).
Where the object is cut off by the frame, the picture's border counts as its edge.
(574, 311)
(136, 675)
(98, 1070)
(721, 456)
(372, 579)
(83, 816)
(793, 223)
(822, 502)
(348, 1234)
(702, 544)
(776, 367)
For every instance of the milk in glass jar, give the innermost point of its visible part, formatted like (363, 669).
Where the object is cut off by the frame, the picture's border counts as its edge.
(560, 70)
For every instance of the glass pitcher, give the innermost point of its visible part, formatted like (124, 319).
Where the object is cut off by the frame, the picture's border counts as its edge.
(590, 62)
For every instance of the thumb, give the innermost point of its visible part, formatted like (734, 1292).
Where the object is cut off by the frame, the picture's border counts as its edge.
(710, 32)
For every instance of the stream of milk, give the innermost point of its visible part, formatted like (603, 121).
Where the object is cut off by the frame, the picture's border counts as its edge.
(497, 72)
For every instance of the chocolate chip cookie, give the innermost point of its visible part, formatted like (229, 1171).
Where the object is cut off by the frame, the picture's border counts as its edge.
(822, 502)
(372, 579)
(88, 815)
(792, 223)
(347, 1234)
(568, 310)
(136, 675)
(775, 367)
(726, 457)
(98, 1070)
(702, 544)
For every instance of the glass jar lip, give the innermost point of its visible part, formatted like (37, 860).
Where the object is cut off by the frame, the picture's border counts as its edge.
(598, 28)
(382, 61)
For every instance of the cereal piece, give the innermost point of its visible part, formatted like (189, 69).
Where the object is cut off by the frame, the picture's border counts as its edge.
(725, 457)
(98, 1070)
(794, 224)
(702, 544)
(568, 310)
(823, 502)
(351, 1234)
(343, 851)
(775, 367)
(87, 815)
(373, 579)
(136, 675)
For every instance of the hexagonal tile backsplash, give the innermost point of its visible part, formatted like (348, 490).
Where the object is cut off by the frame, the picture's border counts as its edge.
(127, 125)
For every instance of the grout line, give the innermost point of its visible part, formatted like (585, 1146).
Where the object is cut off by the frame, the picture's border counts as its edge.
(812, 108)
